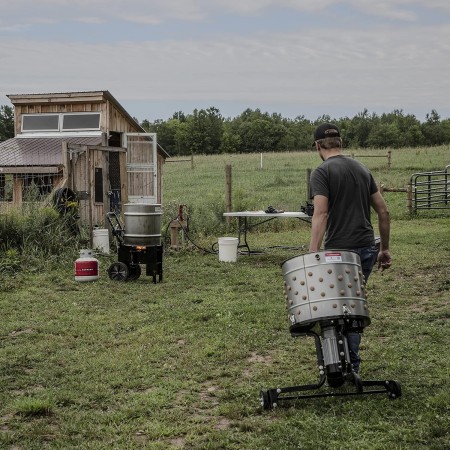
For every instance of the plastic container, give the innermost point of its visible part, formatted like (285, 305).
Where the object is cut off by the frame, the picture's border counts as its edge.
(100, 240)
(228, 247)
(86, 267)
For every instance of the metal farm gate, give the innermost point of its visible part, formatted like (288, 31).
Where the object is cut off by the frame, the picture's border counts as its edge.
(431, 190)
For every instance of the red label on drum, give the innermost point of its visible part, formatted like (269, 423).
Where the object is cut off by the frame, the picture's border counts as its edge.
(333, 257)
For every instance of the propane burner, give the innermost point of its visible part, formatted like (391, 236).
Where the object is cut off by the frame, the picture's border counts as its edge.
(326, 298)
(138, 242)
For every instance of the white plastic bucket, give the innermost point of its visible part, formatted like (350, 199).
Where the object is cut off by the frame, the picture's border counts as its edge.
(100, 240)
(228, 247)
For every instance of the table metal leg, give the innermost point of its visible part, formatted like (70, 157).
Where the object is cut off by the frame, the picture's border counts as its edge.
(243, 226)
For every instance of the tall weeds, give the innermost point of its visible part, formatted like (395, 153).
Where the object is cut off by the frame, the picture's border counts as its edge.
(34, 233)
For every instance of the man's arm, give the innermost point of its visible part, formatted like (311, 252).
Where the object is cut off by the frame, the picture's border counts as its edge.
(380, 207)
(318, 222)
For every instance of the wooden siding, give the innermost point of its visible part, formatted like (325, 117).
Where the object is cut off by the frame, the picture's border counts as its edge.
(114, 117)
(19, 110)
(81, 176)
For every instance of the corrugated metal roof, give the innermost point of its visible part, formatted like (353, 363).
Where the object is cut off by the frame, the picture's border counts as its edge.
(39, 151)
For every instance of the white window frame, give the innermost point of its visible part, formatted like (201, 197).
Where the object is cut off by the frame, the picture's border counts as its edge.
(42, 129)
(60, 116)
(80, 114)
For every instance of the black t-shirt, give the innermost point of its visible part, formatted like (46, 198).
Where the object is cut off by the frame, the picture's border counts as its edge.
(348, 186)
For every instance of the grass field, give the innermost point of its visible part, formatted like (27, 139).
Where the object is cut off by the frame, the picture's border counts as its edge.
(281, 182)
(180, 364)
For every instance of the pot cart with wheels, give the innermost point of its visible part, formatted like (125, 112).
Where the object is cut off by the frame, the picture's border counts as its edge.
(138, 242)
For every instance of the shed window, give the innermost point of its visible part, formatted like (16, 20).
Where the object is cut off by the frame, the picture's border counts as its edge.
(61, 122)
(40, 122)
(81, 121)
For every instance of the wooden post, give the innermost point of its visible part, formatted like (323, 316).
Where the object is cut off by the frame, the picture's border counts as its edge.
(409, 202)
(65, 159)
(90, 197)
(174, 228)
(192, 160)
(389, 158)
(228, 202)
(17, 190)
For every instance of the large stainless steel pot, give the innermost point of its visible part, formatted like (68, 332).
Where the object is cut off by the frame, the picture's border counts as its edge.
(142, 224)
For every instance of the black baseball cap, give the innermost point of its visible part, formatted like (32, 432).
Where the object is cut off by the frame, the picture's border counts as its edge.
(326, 130)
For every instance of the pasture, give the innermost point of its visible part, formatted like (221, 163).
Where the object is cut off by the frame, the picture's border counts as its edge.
(179, 364)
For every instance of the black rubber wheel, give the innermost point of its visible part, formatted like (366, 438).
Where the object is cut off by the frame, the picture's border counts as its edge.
(134, 272)
(394, 389)
(265, 400)
(118, 271)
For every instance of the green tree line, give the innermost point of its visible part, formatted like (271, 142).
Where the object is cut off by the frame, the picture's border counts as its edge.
(206, 131)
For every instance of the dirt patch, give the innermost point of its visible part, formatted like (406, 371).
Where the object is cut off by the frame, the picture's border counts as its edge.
(178, 442)
(140, 437)
(19, 332)
(222, 424)
(4, 422)
(208, 391)
(257, 358)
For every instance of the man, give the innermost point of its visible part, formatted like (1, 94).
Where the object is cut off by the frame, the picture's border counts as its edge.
(343, 191)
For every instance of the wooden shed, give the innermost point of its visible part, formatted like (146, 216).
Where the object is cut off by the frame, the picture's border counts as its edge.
(85, 142)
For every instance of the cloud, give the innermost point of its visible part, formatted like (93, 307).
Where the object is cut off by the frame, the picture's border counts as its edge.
(360, 67)
(353, 63)
(162, 11)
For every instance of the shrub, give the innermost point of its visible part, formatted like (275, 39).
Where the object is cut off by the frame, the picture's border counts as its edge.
(27, 234)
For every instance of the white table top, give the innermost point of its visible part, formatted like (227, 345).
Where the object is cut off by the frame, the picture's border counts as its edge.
(298, 215)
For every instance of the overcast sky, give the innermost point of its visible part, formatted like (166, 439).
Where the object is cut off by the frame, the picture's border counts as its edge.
(293, 57)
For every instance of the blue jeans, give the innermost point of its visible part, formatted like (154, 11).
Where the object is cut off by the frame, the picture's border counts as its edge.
(368, 257)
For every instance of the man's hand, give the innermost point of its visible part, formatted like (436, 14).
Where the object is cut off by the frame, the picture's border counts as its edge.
(384, 260)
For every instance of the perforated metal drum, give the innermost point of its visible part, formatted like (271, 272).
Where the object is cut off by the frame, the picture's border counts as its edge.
(324, 285)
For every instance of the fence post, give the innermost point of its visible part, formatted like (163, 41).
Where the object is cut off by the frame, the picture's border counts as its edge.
(409, 201)
(228, 205)
(17, 190)
(389, 158)
(192, 160)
